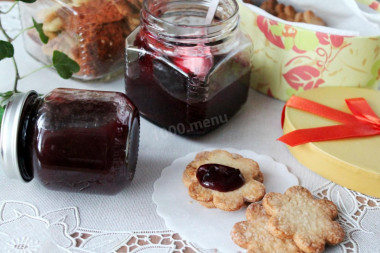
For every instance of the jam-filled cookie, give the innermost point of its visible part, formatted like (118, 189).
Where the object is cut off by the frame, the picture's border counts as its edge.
(223, 180)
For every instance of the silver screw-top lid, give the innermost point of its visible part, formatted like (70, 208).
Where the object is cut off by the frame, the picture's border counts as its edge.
(9, 134)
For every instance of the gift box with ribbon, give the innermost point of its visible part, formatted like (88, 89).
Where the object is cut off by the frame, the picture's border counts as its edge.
(335, 131)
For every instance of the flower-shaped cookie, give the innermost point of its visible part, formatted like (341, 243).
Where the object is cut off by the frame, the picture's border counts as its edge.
(251, 191)
(253, 234)
(296, 214)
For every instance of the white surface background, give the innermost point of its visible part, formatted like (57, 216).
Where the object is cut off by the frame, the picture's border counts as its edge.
(256, 127)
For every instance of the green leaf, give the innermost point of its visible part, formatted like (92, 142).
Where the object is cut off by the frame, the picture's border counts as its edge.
(306, 41)
(290, 91)
(288, 43)
(40, 31)
(4, 97)
(7, 94)
(27, 1)
(1, 115)
(6, 49)
(375, 69)
(371, 83)
(276, 30)
(64, 65)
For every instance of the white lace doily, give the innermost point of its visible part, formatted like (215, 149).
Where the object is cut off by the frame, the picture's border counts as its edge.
(24, 230)
(359, 215)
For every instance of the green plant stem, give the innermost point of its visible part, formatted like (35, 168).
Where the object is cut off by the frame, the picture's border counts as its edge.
(4, 32)
(21, 32)
(36, 70)
(9, 10)
(17, 77)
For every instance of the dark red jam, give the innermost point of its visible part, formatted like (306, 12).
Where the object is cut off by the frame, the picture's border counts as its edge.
(183, 103)
(220, 177)
(82, 141)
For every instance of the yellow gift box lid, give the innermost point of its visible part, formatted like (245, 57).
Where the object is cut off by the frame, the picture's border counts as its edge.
(352, 162)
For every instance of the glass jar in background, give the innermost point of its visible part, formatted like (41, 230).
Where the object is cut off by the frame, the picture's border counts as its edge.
(185, 75)
(92, 32)
(71, 140)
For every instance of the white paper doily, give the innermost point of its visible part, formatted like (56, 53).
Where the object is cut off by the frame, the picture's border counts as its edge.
(210, 228)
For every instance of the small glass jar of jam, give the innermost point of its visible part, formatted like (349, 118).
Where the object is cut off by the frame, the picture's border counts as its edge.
(71, 140)
(184, 75)
(92, 32)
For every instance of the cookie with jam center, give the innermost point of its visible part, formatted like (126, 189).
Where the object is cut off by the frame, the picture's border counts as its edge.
(219, 179)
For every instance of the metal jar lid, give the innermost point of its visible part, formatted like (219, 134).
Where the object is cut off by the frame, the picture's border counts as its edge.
(9, 134)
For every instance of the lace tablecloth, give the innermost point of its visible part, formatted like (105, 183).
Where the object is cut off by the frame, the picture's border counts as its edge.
(33, 219)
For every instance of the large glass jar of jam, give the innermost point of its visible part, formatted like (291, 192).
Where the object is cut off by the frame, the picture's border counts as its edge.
(92, 32)
(72, 140)
(185, 75)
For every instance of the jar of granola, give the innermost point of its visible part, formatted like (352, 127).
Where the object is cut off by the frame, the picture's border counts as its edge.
(91, 32)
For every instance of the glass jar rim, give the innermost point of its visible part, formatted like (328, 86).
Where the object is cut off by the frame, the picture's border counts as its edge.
(214, 24)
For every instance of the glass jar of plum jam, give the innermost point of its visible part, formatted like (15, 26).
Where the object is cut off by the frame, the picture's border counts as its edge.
(72, 140)
(184, 75)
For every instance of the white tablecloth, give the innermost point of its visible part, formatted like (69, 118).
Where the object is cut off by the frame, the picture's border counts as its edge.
(66, 222)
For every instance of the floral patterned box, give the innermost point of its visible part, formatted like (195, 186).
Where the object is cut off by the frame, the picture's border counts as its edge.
(288, 59)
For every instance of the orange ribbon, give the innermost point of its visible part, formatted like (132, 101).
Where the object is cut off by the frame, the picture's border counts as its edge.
(362, 122)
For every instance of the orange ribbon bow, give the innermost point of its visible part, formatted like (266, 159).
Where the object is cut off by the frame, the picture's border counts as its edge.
(362, 122)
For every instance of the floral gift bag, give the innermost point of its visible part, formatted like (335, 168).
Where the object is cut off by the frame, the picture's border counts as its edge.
(290, 57)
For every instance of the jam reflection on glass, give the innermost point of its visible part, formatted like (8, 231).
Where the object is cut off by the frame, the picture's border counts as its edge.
(219, 177)
(186, 89)
(81, 141)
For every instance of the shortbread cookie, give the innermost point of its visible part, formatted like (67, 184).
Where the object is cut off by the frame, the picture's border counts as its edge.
(253, 234)
(210, 204)
(299, 17)
(311, 18)
(296, 214)
(268, 5)
(288, 13)
(251, 190)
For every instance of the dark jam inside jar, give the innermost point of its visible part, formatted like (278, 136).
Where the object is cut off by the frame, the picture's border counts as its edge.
(219, 177)
(183, 75)
(81, 138)
(164, 95)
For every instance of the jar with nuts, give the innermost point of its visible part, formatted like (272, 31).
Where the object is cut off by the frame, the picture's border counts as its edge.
(92, 32)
